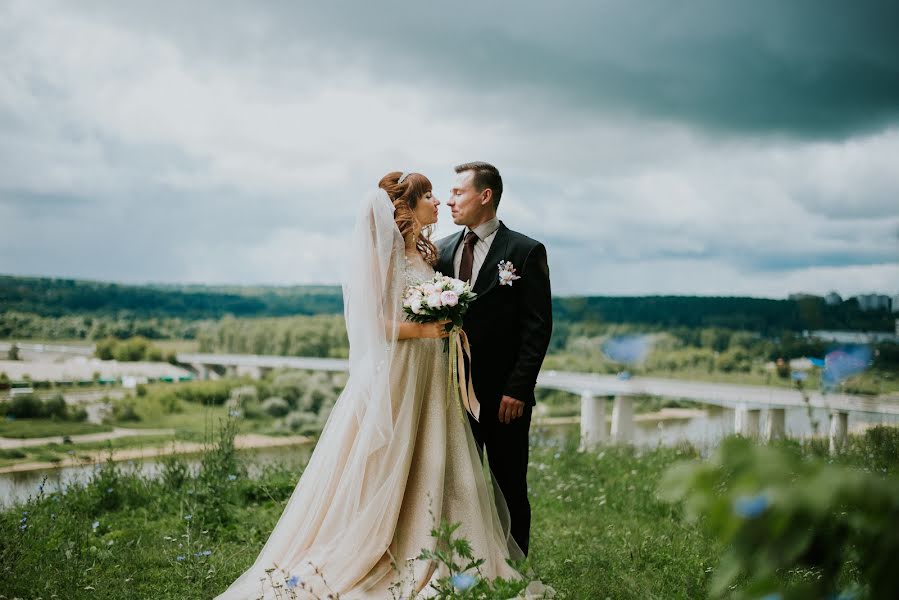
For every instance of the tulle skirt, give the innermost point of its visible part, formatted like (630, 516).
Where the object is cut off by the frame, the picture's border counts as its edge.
(357, 520)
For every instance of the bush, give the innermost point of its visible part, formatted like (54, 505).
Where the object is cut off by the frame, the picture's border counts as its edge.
(275, 406)
(124, 411)
(793, 526)
(205, 392)
(55, 407)
(26, 406)
(303, 422)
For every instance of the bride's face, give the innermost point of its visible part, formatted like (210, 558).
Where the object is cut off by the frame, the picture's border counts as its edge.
(426, 209)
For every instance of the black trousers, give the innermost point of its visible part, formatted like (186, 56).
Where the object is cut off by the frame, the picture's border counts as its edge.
(507, 456)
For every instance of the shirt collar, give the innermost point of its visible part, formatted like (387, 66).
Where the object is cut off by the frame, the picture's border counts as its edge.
(485, 229)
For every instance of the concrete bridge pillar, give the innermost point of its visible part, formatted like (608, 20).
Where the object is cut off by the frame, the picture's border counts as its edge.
(746, 421)
(593, 421)
(775, 427)
(839, 430)
(623, 419)
(231, 371)
(201, 370)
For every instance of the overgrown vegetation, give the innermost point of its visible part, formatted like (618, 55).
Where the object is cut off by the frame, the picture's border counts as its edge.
(600, 529)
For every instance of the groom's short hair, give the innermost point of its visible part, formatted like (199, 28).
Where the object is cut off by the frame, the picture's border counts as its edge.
(485, 176)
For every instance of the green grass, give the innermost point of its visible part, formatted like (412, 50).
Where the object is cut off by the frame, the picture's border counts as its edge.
(190, 422)
(35, 428)
(599, 529)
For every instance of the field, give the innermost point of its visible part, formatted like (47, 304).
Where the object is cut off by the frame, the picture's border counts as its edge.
(600, 529)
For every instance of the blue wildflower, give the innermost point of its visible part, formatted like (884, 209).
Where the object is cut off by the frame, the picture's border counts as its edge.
(23, 527)
(293, 582)
(203, 553)
(109, 490)
(462, 581)
(180, 557)
(750, 507)
(232, 477)
(187, 517)
(95, 525)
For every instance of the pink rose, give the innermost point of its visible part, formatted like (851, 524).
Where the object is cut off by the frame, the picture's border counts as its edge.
(449, 298)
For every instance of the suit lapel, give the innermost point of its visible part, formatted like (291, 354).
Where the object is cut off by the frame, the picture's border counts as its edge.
(445, 264)
(488, 276)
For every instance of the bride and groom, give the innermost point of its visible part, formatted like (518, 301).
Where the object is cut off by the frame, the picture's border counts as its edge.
(398, 454)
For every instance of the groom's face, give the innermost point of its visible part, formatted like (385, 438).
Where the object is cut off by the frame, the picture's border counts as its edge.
(468, 205)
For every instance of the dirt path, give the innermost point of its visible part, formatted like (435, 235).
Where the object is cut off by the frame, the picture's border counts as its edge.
(250, 440)
(117, 432)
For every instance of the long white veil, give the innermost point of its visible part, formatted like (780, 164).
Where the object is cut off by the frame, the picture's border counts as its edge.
(343, 503)
(372, 296)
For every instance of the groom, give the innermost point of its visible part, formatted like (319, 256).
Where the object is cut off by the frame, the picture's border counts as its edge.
(508, 325)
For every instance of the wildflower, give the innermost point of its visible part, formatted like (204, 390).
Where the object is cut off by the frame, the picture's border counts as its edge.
(23, 527)
(750, 507)
(95, 525)
(179, 558)
(293, 582)
(188, 517)
(462, 581)
(109, 490)
(232, 477)
(203, 553)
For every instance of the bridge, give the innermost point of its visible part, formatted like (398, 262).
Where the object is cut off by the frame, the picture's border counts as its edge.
(747, 401)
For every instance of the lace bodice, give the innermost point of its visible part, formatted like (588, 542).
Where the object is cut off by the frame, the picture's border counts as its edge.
(416, 269)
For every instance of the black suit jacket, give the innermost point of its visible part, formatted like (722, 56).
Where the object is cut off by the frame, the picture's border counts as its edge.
(508, 326)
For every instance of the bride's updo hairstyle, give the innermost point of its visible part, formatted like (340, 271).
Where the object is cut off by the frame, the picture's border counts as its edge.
(405, 197)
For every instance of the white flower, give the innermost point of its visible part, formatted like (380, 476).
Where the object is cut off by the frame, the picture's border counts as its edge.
(428, 289)
(415, 305)
(507, 273)
(434, 300)
(458, 286)
(449, 298)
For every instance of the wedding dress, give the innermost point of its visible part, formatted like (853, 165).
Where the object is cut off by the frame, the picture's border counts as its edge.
(395, 457)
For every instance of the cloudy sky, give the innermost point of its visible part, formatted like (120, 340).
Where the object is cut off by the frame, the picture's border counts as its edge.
(705, 147)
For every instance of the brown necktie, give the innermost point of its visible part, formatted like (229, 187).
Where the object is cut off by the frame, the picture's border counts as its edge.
(471, 238)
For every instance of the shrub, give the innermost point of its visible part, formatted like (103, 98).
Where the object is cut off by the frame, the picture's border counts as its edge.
(26, 406)
(790, 525)
(275, 406)
(124, 411)
(303, 422)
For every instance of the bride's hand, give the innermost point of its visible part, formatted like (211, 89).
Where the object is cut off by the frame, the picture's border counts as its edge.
(437, 329)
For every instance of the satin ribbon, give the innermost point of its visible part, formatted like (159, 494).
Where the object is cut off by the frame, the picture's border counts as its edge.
(463, 388)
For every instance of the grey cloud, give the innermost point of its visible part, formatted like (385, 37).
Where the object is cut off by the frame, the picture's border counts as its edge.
(805, 69)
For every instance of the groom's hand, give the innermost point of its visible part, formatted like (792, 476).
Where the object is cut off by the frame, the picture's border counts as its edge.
(509, 409)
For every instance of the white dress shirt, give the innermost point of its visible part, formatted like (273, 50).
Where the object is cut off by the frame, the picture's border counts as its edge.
(486, 231)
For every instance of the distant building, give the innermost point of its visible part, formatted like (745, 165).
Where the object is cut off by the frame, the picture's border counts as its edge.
(873, 302)
(833, 299)
(895, 303)
(854, 337)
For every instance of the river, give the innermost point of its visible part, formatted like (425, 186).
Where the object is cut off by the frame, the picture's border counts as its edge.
(703, 430)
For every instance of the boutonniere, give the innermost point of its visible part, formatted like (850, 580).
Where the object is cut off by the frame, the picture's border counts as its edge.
(507, 273)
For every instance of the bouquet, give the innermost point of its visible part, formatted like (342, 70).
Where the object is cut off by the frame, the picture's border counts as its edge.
(439, 299)
(444, 298)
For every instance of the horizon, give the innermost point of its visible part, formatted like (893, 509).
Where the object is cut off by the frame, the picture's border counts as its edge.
(844, 297)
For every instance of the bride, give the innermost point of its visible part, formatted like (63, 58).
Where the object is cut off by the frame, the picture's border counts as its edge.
(396, 456)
